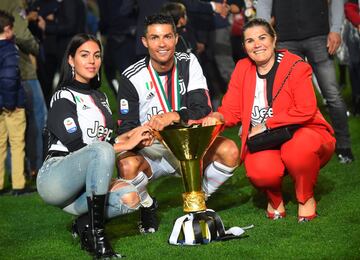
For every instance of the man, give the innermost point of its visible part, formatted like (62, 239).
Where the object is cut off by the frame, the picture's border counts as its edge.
(303, 28)
(117, 26)
(159, 90)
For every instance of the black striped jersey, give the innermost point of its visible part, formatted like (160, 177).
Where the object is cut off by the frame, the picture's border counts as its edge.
(139, 97)
(78, 116)
(263, 93)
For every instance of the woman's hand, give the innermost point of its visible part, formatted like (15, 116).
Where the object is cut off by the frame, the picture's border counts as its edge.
(213, 119)
(257, 129)
(127, 141)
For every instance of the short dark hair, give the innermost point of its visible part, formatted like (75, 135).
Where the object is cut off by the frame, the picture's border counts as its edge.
(65, 71)
(175, 10)
(6, 19)
(259, 22)
(158, 19)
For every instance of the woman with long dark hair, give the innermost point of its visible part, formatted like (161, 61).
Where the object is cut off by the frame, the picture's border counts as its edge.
(77, 172)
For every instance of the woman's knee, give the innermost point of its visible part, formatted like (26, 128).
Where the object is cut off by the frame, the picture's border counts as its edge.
(131, 200)
(126, 193)
(264, 175)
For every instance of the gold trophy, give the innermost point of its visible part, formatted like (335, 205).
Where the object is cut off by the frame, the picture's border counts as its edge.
(189, 144)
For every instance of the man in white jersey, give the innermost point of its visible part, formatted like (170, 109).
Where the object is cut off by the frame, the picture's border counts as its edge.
(159, 90)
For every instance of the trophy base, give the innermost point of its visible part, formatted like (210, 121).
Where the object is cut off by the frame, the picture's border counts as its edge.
(202, 228)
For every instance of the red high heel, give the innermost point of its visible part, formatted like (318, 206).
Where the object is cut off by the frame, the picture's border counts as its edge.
(276, 215)
(304, 219)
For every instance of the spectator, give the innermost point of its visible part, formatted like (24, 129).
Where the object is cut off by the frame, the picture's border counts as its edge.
(303, 28)
(352, 41)
(117, 26)
(36, 111)
(186, 37)
(68, 19)
(46, 58)
(147, 7)
(12, 112)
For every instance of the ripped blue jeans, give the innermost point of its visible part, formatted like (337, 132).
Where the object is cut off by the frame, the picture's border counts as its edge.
(66, 181)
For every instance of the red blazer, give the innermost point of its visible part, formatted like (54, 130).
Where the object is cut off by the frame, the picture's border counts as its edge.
(296, 103)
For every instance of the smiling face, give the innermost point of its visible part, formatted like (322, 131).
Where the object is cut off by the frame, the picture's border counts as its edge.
(161, 40)
(260, 45)
(86, 62)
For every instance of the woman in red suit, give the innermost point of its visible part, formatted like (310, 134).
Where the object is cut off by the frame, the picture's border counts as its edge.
(254, 83)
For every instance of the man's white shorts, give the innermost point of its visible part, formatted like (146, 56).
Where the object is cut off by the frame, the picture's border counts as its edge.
(161, 160)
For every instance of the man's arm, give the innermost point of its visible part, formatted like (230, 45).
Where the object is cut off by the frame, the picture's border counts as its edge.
(263, 9)
(336, 17)
(24, 38)
(197, 6)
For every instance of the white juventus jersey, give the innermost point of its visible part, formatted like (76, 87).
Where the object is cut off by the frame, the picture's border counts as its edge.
(138, 99)
(77, 118)
(264, 85)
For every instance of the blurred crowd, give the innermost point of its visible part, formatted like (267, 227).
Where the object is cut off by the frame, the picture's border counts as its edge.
(209, 29)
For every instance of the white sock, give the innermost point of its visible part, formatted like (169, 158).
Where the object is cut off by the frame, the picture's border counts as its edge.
(214, 176)
(140, 182)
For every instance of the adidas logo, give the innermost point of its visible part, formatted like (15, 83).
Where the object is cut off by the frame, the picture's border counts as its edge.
(85, 107)
(150, 96)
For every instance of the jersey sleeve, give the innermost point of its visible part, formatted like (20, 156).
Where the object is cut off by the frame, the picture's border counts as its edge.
(197, 79)
(198, 105)
(63, 121)
(128, 106)
(197, 97)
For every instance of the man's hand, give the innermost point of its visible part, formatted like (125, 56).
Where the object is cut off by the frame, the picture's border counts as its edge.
(41, 23)
(32, 16)
(159, 122)
(333, 42)
(139, 135)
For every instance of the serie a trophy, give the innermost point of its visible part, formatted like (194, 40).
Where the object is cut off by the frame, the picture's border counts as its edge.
(199, 225)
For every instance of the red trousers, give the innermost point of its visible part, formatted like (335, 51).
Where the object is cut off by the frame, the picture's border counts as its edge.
(301, 157)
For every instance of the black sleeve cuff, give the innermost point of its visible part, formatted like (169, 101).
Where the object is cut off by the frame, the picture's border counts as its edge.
(75, 145)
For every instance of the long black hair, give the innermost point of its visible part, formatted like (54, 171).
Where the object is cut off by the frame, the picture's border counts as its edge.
(66, 76)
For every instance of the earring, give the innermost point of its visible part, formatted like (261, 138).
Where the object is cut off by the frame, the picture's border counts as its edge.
(98, 77)
(73, 71)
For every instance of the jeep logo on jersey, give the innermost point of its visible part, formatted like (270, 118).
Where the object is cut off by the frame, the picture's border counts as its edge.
(99, 131)
(70, 125)
(124, 106)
